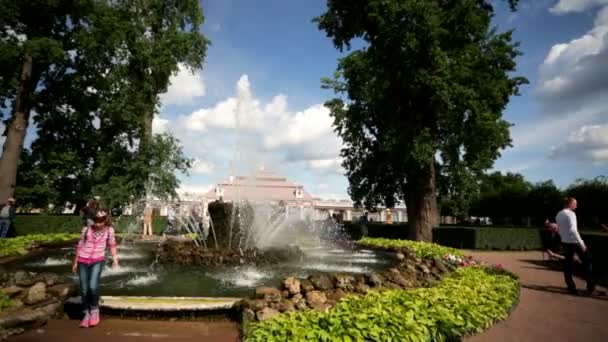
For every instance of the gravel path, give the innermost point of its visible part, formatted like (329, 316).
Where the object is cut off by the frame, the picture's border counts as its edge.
(545, 311)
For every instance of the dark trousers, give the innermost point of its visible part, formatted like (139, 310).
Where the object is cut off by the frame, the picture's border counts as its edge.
(571, 249)
(89, 283)
(5, 225)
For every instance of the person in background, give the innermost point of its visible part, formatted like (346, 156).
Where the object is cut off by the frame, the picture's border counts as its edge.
(552, 240)
(87, 214)
(7, 217)
(147, 221)
(170, 221)
(363, 221)
(573, 245)
(89, 262)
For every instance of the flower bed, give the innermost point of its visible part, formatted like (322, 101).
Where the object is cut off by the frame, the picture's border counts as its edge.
(465, 302)
(423, 250)
(23, 244)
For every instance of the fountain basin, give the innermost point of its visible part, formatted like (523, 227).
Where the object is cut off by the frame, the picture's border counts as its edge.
(142, 276)
(143, 303)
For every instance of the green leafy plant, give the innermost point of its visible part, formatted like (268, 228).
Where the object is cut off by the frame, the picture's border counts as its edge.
(423, 250)
(22, 244)
(5, 301)
(467, 302)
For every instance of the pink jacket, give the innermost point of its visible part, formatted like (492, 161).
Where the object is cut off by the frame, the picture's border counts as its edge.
(92, 249)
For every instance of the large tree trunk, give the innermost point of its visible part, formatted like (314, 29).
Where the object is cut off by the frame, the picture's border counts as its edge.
(16, 130)
(422, 204)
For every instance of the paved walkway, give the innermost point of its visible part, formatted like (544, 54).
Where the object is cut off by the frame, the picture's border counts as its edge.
(545, 311)
(125, 330)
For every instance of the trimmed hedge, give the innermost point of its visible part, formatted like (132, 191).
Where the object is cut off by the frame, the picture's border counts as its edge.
(467, 302)
(377, 230)
(48, 224)
(476, 237)
(488, 238)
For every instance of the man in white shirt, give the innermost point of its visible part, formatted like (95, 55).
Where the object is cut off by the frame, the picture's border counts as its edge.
(573, 244)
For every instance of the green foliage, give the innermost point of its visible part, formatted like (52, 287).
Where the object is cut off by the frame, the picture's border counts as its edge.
(5, 302)
(54, 224)
(467, 302)
(592, 196)
(488, 238)
(423, 250)
(22, 244)
(433, 78)
(96, 97)
(508, 199)
(503, 198)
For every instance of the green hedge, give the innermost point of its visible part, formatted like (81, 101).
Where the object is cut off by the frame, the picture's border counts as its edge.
(467, 302)
(377, 230)
(48, 224)
(488, 238)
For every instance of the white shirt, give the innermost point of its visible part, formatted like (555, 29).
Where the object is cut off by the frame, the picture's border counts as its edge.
(567, 226)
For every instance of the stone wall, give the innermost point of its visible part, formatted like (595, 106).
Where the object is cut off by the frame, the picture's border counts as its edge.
(35, 298)
(323, 290)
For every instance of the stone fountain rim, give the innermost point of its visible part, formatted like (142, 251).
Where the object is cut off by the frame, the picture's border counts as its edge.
(164, 303)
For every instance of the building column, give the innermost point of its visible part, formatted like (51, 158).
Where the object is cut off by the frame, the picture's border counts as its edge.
(348, 215)
(301, 212)
(399, 215)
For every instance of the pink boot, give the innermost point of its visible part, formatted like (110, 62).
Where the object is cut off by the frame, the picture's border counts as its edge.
(85, 321)
(95, 318)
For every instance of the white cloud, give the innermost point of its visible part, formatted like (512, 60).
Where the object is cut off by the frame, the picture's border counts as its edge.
(333, 165)
(574, 71)
(200, 166)
(159, 125)
(241, 131)
(185, 87)
(567, 6)
(268, 127)
(588, 143)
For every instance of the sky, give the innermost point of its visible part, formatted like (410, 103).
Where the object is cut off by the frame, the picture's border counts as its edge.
(258, 101)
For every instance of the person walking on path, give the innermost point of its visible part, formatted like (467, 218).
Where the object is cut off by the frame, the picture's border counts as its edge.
(7, 217)
(147, 221)
(573, 245)
(89, 262)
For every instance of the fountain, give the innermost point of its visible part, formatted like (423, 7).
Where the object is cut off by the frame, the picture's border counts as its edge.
(247, 242)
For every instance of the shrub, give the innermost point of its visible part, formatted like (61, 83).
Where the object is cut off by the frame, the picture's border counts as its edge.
(423, 250)
(488, 238)
(48, 224)
(5, 301)
(378, 230)
(22, 244)
(467, 302)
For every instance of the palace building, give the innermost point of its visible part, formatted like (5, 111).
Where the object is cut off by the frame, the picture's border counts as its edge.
(266, 186)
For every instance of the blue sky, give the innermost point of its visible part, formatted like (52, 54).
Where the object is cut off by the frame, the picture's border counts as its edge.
(267, 58)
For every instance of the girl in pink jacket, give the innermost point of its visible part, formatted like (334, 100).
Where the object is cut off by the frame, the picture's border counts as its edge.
(89, 261)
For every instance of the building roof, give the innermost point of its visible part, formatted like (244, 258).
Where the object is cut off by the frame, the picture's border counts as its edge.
(263, 185)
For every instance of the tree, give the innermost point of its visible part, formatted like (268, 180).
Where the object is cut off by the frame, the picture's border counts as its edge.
(432, 80)
(32, 35)
(503, 198)
(544, 201)
(95, 114)
(592, 196)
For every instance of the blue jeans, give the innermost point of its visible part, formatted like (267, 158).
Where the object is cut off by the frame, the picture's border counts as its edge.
(5, 224)
(89, 283)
